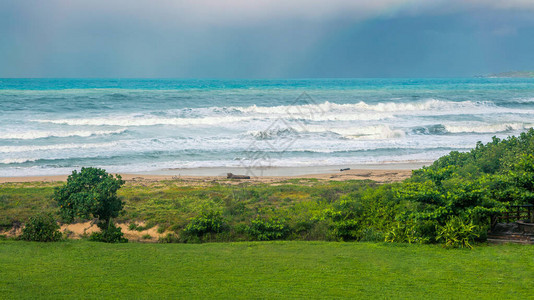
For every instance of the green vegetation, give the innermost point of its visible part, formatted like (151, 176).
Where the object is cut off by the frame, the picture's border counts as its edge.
(92, 193)
(266, 230)
(208, 222)
(80, 269)
(452, 201)
(173, 205)
(20, 201)
(41, 228)
(456, 233)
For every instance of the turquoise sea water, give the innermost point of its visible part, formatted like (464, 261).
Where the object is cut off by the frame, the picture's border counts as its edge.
(51, 126)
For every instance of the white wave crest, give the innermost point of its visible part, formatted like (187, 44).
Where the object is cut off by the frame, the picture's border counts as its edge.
(325, 111)
(17, 160)
(491, 128)
(15, 149)
(145, 121)
(370, 132)
(364, 132)
(34, 134)
(325, 107)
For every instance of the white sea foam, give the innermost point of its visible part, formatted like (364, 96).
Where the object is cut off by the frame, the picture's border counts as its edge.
(17, 160)
(145, 121)
(325, 107)
(521, 100)
(360, 132)
(37, 134)
(486, 128)
(325, 111)
(370, 132)
(36, 148)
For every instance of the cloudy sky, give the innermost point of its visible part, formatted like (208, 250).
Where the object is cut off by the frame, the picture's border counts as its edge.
(265, 39)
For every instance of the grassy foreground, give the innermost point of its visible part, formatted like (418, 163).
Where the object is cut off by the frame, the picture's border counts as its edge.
(81, 269)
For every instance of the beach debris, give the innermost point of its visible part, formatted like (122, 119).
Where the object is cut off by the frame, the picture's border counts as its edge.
(233, 176)
(344, 169)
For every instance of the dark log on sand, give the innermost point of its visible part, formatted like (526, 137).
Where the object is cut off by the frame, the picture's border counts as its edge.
(232, 176)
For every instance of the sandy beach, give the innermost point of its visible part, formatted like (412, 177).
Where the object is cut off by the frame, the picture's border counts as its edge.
(378, 175)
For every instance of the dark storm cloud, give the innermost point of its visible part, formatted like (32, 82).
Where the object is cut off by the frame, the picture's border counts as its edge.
(274, 38)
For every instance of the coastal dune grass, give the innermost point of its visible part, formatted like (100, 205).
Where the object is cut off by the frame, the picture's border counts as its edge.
(170, 204)
(82, 269)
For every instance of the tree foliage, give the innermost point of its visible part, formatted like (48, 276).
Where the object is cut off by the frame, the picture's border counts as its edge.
(451, 201)
(92, 193)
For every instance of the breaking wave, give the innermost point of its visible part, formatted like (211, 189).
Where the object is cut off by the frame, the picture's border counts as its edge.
(494, 128)
(35, 134)
(325, 111)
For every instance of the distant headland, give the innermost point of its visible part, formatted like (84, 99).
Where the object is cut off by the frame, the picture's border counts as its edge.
(511, 74)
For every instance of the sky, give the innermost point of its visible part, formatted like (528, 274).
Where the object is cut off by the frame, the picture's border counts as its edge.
(265, 39)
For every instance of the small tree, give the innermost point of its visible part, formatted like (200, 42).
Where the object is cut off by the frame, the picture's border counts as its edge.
(91, 193)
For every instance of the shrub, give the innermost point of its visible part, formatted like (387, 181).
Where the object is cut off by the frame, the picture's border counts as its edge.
(404, 232)
(207, 222)
(401, 233)
(134, 226)
(266, 230)
(347, 230)
(169, 238)
(41, 228)
(372, 235)
(457, 233)
(345, 219)
(110, 234)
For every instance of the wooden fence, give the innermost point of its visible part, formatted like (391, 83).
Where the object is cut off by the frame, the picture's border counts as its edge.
(516, 213)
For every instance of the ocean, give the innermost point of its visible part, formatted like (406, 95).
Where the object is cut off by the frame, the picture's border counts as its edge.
(52, 126)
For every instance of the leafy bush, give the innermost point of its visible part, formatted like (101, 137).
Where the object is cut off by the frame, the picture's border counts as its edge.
(207, 222)
(169, 238)
(267, 230)
(134, 226)
(41, 228)
(344, 219)
(404, 233)
(521, 177)
(372, 235)
(457, 233)
(110, 234)
(347, 230)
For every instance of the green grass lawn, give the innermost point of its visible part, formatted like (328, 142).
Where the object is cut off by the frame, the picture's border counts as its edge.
(82, 269)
